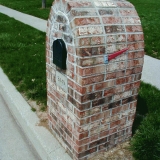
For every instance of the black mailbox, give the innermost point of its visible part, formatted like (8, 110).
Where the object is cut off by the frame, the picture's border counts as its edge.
(59, 53)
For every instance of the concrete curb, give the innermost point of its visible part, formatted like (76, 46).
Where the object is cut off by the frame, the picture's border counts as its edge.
(47, 147)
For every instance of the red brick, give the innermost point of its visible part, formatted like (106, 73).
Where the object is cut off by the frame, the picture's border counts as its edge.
(116, 110)
(81, 114)
(129, 99)
(125, 4)
(104, 127)
(94, 131)
(133, 105)
(103, 140)
(84, 121)
(109, 92)
(78, 4)
(104, 134)
(90, 61)
(83, 135)
(104, 85)
(78, 88)
(135, 63)
(80, 149)
(82, 52)
(111, 75)
(128, 12)
(131, 117)
(90, 80)
(86, 21)
(90, 70)
(77, 104)
(114, 104)
(134, 70)
(70, 58)
(120, 81)
(88, 97)
(127, 87)
(120, 73)
(135, 46)
(118, 89)
(86, 140)
(96, 117)
(129, 79)
(70, 49)
(87, 152)
(114, 124)
(101, 101)
(137, 77)
(136, 84)
(134, 28)
(114, 29)
(111, 20)
(137, 54)
(95, 110)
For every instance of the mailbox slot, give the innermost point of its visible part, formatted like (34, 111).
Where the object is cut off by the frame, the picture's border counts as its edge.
(59, 53)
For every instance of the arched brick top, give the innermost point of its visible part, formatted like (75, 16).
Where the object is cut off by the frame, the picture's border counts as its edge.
(96, 23)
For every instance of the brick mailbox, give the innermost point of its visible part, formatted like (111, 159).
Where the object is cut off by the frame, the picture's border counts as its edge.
(94, 59)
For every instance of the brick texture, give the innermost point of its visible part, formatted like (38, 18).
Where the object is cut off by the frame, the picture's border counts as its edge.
(98, 110)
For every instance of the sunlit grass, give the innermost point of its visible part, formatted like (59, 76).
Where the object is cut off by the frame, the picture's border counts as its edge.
(22, 57)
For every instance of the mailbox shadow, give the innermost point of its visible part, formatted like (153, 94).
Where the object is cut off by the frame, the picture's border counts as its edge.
(141, 111)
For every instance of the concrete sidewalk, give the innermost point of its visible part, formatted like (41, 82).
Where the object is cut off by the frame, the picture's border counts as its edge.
(150, 73)
(13, 143)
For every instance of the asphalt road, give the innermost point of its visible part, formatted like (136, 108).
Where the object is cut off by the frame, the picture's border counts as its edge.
(13, 143)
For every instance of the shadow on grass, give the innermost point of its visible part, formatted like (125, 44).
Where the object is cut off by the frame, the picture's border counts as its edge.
(141, 111)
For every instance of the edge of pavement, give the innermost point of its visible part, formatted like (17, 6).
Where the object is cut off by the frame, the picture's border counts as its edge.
(45, 144)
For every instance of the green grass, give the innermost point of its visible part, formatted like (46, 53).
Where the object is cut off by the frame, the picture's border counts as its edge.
(145, 143)
(33, 109)
(32, 7)
(149, 12)
(22, 57)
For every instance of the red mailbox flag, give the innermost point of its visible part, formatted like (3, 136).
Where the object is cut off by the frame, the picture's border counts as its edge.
(112, 56)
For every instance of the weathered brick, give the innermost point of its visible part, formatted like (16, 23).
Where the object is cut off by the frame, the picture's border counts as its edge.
(101, 101)
(90, 80)
(130, 99)
(91, 70)
(111, 76)
(90, 61)
(104, 85)
(111, 20)
(82, 52)
(86, 21)
(109, 92)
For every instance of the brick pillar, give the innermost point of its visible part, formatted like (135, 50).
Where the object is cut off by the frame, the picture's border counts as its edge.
(96, 111)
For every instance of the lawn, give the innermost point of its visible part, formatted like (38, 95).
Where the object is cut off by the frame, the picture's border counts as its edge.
(145, 143)
(22, 57)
